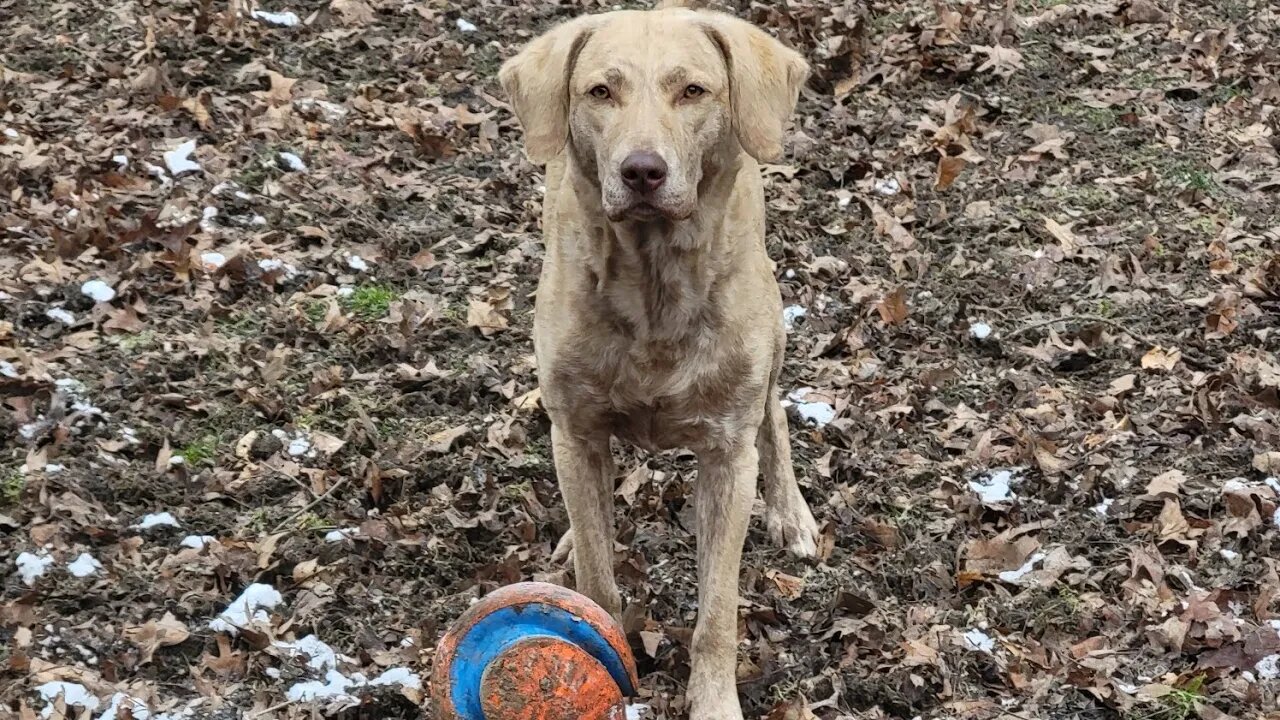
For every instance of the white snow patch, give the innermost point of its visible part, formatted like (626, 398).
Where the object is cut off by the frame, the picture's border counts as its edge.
(1273, 483)
(11, 133)
(121, 161)
(98, 290)
(53, 468)
(346, 291)
(1229, 555)
(817, 413)
(71, 694)
(176, 460)
(298, 446)
(156, 172)
(979, 331)
(292, 162)
(994, 486)
(1103, 507)
(138, 710)
(211, 261)
(466, 26)
(401, 676)
(178, 160)
(32, 566)
(334, 687)
(790, 314)
(637, 711)
(1268, 668)
(334, 536)
(887, 187)
(207, 216)
(60, 315)
(197, 542)
(977, 640)
(320, 655)
(1015, 576)
(1275, 518)
(268, 265)
(8, 369)
(154, 520)
(84, 566)
(251, 606)
(287, 18)
(357, 263)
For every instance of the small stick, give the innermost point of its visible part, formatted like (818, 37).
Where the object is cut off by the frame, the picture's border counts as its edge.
(313, 503)
(1081, 318)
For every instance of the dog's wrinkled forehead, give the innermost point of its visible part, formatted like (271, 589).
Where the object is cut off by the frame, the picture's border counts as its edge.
(629, 47)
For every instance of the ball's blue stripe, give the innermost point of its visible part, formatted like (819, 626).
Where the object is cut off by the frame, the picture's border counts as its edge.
(506, 626)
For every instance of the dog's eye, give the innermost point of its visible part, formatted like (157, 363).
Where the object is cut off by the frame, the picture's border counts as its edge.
(600, 92)
(694, 91)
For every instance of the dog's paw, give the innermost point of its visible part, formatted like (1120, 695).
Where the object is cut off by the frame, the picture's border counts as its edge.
(794, 529)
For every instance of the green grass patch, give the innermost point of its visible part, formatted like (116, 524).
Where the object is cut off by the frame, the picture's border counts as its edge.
(370, 302)
(200, 450)
(1179, 704)
(11, 487)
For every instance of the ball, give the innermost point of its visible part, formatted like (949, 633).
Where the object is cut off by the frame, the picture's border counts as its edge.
(533, 651)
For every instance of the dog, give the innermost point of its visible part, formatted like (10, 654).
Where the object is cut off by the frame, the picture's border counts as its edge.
(658, 319)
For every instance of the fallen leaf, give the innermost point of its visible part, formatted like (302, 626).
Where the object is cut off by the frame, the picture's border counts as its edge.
(893, 307)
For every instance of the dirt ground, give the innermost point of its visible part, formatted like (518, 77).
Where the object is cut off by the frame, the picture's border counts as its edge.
(1030, 254)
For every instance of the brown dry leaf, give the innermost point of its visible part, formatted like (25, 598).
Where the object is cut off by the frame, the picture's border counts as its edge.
(1002, 61)
(1171, 525)
(632, 483)
(442, 442)
(353, 12)
(1168, 483)
(1267, 462)
(651, 640)
(485, 316)
(529, 401)
(998, 554)
(900, 238)
(790, 586)
(949, 168)
(1122, 385)
(893, 308)
(155, 634)
(1158, 358)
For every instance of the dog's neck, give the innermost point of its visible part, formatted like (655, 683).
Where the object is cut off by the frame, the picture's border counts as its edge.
(656, 278)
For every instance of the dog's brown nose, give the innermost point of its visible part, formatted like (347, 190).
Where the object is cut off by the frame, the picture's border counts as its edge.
(644, 171)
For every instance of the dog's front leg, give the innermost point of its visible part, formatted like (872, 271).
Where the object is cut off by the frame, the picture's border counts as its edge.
(723, 496)
(584, 466)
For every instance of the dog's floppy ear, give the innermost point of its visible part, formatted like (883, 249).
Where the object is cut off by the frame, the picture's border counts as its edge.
(536, 81)
(764, 82)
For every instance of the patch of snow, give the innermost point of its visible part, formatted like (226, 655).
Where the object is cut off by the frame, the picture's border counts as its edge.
(153, 520)
(269, 265)
(60, 315)
(887, 187)
(71, 694)
(11, 133)
(53, 468)
(979, 331)
(637, 711)
(211, 261)
(1103, 507)
(84, 566)
(1014, 576)
(1234, 485)
(121, 161)
(1273, 483)
(251, 606)
(176, 460)
(178, 160)
(31, 429)
(334, 687)
(156, 172)
(197, 542)
(320, 655)
(31, 566)
(816, 414)
(1268, 668)
(8, 369)
(292, 162)
(346, 291)
(98, 290)
(257, 221)
(138, 710)
(298, 446)
(207, 216)
(790, 314)
(1229, 555)
(334, 536)
(277, 19)
(977, 640)
(466, 26)
(994, 486)
(399, 676)
(1275, 518)
(357, 263)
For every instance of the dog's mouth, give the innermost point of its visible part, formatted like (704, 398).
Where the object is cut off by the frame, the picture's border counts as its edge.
(645, 211)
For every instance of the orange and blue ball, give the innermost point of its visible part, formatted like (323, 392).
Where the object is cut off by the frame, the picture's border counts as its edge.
(533, 651)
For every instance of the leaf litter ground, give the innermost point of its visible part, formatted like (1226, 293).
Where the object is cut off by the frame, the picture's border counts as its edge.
(270, 405)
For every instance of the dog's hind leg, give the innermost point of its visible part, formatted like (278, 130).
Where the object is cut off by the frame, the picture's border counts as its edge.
(787, 515)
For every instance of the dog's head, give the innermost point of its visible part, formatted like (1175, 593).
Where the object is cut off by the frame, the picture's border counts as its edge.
(650, 103)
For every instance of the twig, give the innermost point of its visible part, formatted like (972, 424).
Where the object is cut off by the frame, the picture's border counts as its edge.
(313, 503)
(1082, 318)
(273, 708)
